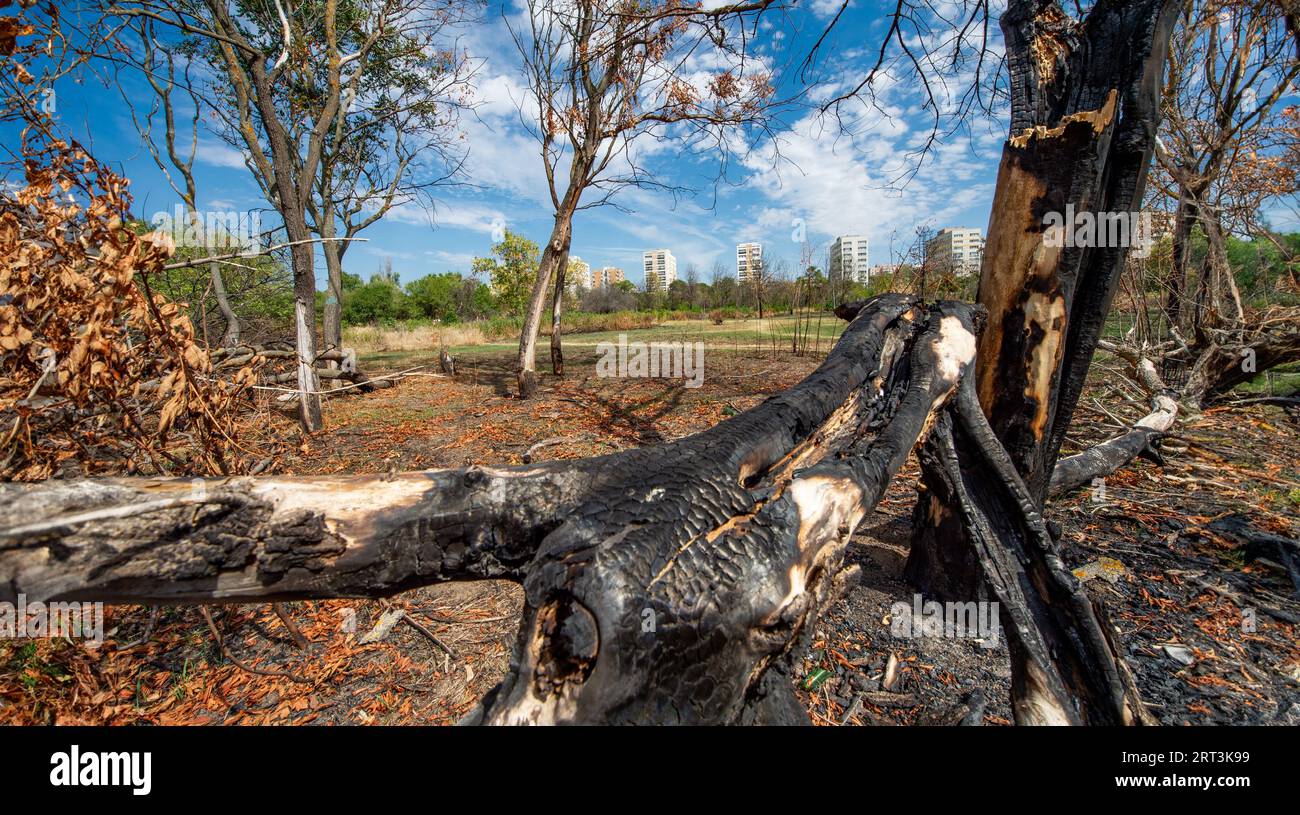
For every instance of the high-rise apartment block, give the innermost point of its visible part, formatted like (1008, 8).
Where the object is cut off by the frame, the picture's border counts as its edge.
(850, 258)
(956, 249)
(749, 261)
(660, 269)
(606, 276)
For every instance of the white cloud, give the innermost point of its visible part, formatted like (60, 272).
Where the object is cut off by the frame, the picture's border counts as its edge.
(219, 154)
(841, 183)
(826, 8)
(454, 260)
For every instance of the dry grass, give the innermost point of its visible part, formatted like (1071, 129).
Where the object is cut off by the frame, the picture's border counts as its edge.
(617, 321)
(426, 336)
(371, 338)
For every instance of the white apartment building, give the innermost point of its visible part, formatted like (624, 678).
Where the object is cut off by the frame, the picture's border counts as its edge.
(660, 269)
(749, 260)
(850, 258)
(960, 249)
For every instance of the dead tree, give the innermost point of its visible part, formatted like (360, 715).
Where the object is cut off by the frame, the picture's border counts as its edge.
(1226, 150)
(604, 75)
(677, 583)
(1085, 106)
(157, 64)
(1231, 63)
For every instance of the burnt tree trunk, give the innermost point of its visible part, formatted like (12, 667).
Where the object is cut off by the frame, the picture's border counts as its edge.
(1085, 107)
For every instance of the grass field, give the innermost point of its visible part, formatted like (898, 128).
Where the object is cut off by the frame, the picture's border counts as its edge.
(770, 334)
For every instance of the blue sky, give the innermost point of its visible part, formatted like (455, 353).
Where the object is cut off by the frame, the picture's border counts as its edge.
(833, 182)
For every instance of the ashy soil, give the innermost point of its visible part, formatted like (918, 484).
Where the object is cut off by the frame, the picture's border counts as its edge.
(1209, 621)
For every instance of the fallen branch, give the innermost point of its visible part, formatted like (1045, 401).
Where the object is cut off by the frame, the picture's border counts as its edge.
(236, 661)
(674, 583)
(245, 254)
(1142, 440)
(446, 649)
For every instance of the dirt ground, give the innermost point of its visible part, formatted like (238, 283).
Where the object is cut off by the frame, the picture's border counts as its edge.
(1210, 624)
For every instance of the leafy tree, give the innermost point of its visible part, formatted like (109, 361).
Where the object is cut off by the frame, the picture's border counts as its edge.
(512, 270)
(435, 296)
(379, 301)
(1258, 265)
(724, 292)
(259, 288)
(678, 295)
(474, 300)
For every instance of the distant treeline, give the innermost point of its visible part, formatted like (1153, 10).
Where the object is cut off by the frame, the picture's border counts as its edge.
(261, 290)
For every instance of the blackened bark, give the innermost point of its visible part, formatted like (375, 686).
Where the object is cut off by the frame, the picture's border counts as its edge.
(1103, 459)
(1087, 134)
(1085, 102)
(1065, 666)
(273, 538)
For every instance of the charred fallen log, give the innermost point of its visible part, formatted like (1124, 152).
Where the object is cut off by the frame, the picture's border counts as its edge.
(678, 583)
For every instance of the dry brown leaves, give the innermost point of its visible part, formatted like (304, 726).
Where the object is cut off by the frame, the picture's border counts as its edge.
(97, 374)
